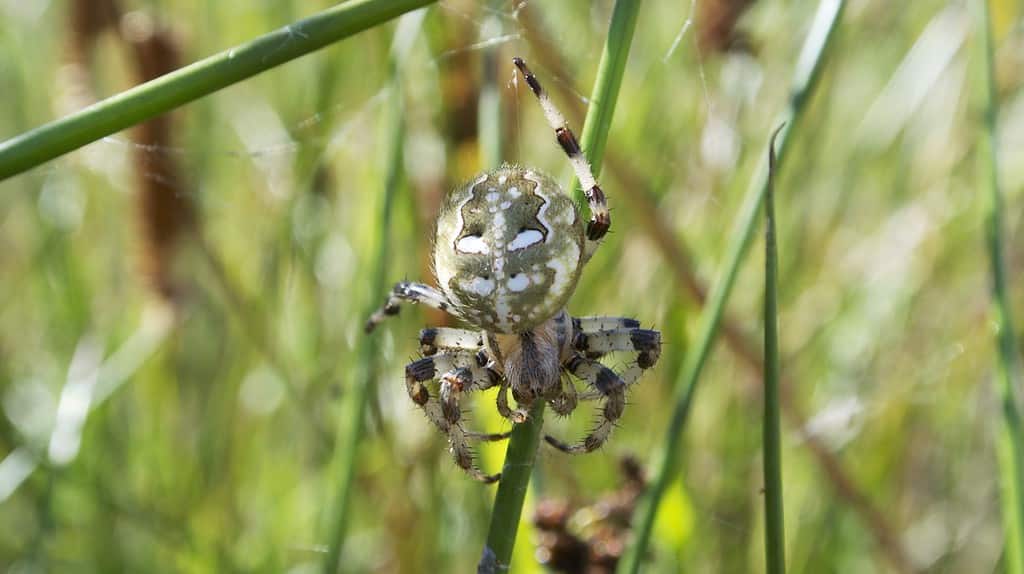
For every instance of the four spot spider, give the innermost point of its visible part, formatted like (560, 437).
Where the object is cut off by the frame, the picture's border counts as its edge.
(509, 249)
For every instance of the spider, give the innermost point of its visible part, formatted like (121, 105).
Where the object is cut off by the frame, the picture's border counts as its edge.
(509, 248)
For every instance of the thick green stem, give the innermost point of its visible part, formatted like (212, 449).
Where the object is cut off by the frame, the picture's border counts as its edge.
(364, 378)
(522, 448)
(1010, 440)
(808, 70)
(774, 532)
(508, 501)
(195, 81)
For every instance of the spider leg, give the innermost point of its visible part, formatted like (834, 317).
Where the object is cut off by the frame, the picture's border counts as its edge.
(612, 388)
(433, 339)
(564, 402)
(412, 292)
(600, 218)
(591, 324)
(646, 343)
(594, 337)
(460, 375)
(516, 416)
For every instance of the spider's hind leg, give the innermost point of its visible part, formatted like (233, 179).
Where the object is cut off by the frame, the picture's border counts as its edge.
(460, 375)
(411, 292)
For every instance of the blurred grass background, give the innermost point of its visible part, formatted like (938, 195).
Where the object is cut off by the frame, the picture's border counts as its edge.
(181, 305)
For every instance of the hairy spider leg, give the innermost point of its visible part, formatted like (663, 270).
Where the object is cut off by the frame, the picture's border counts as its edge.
(411, 292)
(612, 388)
(434, 339)
(564, 403)
(516, 416)
(594, 337)
(646, 343)
(461, 375)
(590, 324)
(600, 218)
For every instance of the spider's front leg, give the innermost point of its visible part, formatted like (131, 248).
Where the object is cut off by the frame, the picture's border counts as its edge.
(600, 218)
(460, 374)
(412, 292)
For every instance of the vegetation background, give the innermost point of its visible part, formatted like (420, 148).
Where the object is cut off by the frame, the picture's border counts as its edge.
(181, 304)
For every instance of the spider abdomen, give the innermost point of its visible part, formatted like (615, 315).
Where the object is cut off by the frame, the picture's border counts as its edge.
(508, 249)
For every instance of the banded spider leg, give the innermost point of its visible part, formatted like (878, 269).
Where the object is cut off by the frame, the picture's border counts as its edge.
(600, 217)
(456, 355)
(411, 292)
(593, 338)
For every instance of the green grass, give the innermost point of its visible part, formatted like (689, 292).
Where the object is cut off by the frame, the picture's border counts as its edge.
(1010, 438)
(809, 69)
(774, 530)
(350, 433)
(195, 81)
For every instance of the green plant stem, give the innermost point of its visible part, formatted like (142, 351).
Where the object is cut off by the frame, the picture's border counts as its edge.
(364, 379)
(774, 531)
(508, 501)
(522, 448)
(195, 81)
(807, 72)
(598, 120)
(492, 136)
(1010, 441)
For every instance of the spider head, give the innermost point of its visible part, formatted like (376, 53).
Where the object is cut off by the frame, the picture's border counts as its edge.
(508, 249)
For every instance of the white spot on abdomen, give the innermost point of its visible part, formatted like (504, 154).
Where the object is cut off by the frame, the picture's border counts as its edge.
(525, 238)
(518, 282)
(480, 286)
(472, 244)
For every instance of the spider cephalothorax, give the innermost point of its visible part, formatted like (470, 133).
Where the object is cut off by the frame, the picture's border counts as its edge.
(509, 248)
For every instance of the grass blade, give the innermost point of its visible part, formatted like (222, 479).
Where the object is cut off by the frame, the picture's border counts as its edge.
(1010, 442)
(808, 70)
(350, 435)
(774, 532)
(598, 120)
(195, 81)
(522, 448)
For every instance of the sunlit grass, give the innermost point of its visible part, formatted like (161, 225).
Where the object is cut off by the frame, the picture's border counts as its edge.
(1010, 438)
(808, 71)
